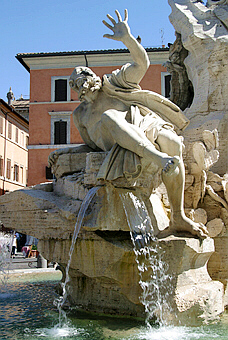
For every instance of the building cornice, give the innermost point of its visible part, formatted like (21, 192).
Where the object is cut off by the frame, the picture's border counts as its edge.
(7, 109)
(52, 60)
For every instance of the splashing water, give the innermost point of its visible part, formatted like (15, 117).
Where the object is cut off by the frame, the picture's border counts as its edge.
(60, 301)
(155, 281)
(6, 242)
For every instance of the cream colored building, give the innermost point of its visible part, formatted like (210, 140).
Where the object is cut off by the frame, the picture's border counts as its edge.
(14, 134)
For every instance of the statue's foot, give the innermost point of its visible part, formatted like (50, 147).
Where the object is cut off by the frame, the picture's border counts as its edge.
(171, 166)
(183, 225)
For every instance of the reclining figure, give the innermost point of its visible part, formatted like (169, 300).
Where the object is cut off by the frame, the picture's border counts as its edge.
(132, 124)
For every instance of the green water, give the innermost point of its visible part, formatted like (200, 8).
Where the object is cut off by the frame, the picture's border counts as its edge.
(27, 312)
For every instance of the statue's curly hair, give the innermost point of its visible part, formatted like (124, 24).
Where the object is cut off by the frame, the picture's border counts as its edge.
(94, 83)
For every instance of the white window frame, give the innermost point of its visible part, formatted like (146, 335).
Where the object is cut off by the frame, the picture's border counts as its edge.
(53, 79)
(163, 74)
(56, 117)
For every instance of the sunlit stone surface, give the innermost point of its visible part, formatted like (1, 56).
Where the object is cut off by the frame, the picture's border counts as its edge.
(103, 271)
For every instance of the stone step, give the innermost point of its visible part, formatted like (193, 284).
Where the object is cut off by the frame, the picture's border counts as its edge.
(23, 263)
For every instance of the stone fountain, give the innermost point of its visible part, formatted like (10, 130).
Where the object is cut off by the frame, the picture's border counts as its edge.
(131, 160)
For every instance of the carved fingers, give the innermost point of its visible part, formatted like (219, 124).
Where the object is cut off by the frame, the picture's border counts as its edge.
(52, 158)
(54, 155)
(120, 29)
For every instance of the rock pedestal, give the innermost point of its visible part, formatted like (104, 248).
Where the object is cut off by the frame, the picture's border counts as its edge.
(103, 271)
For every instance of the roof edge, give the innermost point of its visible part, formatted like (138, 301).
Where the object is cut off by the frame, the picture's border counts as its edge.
(13, 111)
(21, 56)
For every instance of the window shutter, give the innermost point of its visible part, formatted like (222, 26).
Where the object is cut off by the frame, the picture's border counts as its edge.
(60, 90)
(16, 136)
(22, 174)
(167, 85)
(9, 130)
(8, 171)
(16, 173)
(49, 174)
(1, 166)
(1, 125)
(60, 132)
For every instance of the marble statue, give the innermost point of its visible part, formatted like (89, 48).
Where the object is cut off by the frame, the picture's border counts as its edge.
(136, 126)
(204, 34)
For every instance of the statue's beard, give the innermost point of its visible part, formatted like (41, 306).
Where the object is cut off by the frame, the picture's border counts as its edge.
(91, 84)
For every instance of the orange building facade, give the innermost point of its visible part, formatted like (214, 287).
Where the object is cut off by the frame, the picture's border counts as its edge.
(52, 101)
(14, 132)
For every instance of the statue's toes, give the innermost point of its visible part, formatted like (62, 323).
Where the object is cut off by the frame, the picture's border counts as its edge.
(201, 230)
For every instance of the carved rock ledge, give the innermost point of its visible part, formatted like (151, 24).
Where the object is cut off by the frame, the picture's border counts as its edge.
(103, 271)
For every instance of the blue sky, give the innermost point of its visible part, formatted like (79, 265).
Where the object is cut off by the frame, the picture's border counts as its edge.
(70, 25)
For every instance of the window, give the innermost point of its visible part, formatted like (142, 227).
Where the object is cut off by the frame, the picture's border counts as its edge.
(60, 89)
(165, 84)
(8, 169)
(60, 133)
(1, 166)
(16, 173)
(22, 138)
(9, 130)
(60, 127)
(22, 174)
(49, 174)
(1, 125)
(27, 141)
(16, 136)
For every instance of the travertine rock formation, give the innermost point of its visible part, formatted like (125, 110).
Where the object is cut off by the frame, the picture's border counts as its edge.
(103, 271)
(204, 35)
(181, 92)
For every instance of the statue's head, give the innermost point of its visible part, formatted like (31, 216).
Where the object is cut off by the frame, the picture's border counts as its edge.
(216, 2)
(83, 80)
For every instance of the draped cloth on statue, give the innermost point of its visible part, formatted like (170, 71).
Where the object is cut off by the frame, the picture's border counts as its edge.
(149, 111)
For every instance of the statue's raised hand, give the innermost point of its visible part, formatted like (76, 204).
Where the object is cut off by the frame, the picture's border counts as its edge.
(120, 29)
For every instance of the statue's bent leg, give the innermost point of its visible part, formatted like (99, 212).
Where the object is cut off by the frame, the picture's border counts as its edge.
(170, 143)
(134, 139)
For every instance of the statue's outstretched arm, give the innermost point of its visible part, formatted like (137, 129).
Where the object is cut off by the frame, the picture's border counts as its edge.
(121, 32)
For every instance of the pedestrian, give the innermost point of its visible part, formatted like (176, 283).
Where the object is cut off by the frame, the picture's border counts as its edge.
(14, 245)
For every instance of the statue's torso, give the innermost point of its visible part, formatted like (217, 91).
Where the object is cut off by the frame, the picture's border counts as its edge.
(89, 115)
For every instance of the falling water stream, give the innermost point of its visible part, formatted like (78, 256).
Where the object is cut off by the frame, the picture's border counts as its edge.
(61, 300)
(155, 281)
(6, 242)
